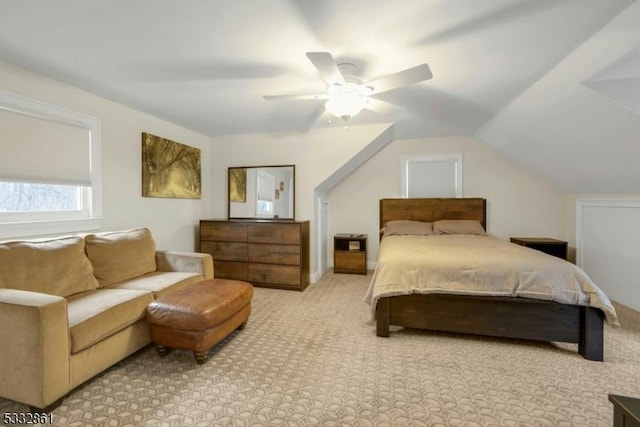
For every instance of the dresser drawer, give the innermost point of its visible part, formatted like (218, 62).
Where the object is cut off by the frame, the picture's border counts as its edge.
(274, 254)
(230, 270)
(225, 251)
(223, 231)
(274, 233)
(269, 273)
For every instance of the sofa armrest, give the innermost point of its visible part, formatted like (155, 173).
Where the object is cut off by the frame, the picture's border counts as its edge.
(35, 350)
(193, 262)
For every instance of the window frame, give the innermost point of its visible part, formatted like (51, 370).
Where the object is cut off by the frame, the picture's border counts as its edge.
(31, 224)
(270, 181)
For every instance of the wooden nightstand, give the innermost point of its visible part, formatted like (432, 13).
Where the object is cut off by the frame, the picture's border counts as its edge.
(544, 244)
(626, 411)
(350, 253)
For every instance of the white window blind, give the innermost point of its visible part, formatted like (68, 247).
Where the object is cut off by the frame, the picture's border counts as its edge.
(431, 179)
(265, 193)
(37, 150)
(436, 175)
(266, 186)
(50, 169)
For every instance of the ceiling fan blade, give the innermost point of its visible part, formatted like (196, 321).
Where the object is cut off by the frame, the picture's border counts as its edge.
(296, 97)
(327, 67)
(380, 106)
(402, 78)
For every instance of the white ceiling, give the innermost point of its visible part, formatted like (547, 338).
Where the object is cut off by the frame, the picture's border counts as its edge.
(206, 64)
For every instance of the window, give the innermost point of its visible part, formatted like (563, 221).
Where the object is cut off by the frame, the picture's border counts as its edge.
(50, 180)
(19, 198)
(266, 193)
(438, 175)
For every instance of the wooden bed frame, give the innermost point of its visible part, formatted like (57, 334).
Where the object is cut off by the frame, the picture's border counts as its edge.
(507, 317)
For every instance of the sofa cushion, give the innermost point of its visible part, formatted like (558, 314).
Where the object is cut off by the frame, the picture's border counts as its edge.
(56, 266)
(96, 315)
(120, 255)
(160, 283)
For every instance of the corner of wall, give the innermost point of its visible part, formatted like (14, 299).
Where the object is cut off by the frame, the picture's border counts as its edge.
(320, 196)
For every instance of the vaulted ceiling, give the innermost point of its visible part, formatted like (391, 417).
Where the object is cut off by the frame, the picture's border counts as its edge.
(553, 84)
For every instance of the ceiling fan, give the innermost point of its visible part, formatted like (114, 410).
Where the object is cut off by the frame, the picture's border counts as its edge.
(346, 94)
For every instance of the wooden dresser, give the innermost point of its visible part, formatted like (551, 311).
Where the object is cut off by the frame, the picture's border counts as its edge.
(266, 253)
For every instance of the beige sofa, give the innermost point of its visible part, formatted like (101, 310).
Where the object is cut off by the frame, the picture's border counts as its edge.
(70, 307)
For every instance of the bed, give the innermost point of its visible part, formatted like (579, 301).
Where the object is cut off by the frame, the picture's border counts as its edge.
(524, 313)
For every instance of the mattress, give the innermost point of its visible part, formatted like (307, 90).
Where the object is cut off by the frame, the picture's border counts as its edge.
(462, 264)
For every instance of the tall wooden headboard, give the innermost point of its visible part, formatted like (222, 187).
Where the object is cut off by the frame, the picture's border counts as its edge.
(429, 210)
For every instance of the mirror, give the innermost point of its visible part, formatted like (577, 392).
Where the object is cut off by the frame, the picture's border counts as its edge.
(261, 192)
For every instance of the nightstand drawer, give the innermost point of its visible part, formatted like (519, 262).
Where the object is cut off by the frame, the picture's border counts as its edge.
(350, 261)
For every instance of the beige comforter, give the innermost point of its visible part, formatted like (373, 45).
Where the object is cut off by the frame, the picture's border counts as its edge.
(479, 265)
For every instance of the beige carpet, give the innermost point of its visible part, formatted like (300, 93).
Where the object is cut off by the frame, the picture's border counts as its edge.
(312, 358)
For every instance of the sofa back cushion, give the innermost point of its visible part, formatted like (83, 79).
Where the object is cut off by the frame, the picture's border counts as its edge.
(56, 266)
(121, 255)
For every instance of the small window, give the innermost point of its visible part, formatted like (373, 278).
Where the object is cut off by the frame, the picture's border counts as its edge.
(438, 175)
(50, 179)
(19, 201)
(265, 207)
(266, 194)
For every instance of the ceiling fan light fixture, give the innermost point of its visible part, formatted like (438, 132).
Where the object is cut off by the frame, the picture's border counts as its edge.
(345, 101)
(346, 93)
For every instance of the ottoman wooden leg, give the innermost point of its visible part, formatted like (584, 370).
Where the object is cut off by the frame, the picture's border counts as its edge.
(201, 356)
(162, 350)
(242, 326)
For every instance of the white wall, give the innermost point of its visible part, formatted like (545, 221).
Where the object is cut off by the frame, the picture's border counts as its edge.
(608, 247)
(282, 203)
(316, 154)
(172, 221)
(519, 203)
(571, 200)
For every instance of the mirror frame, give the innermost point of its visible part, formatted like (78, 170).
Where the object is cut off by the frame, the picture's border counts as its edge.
(257, 218)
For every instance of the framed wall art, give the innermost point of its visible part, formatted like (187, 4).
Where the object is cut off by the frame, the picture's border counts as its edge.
(238, 185)
(169, 169)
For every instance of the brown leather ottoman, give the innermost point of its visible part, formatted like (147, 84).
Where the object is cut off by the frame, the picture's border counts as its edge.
(199, 316)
